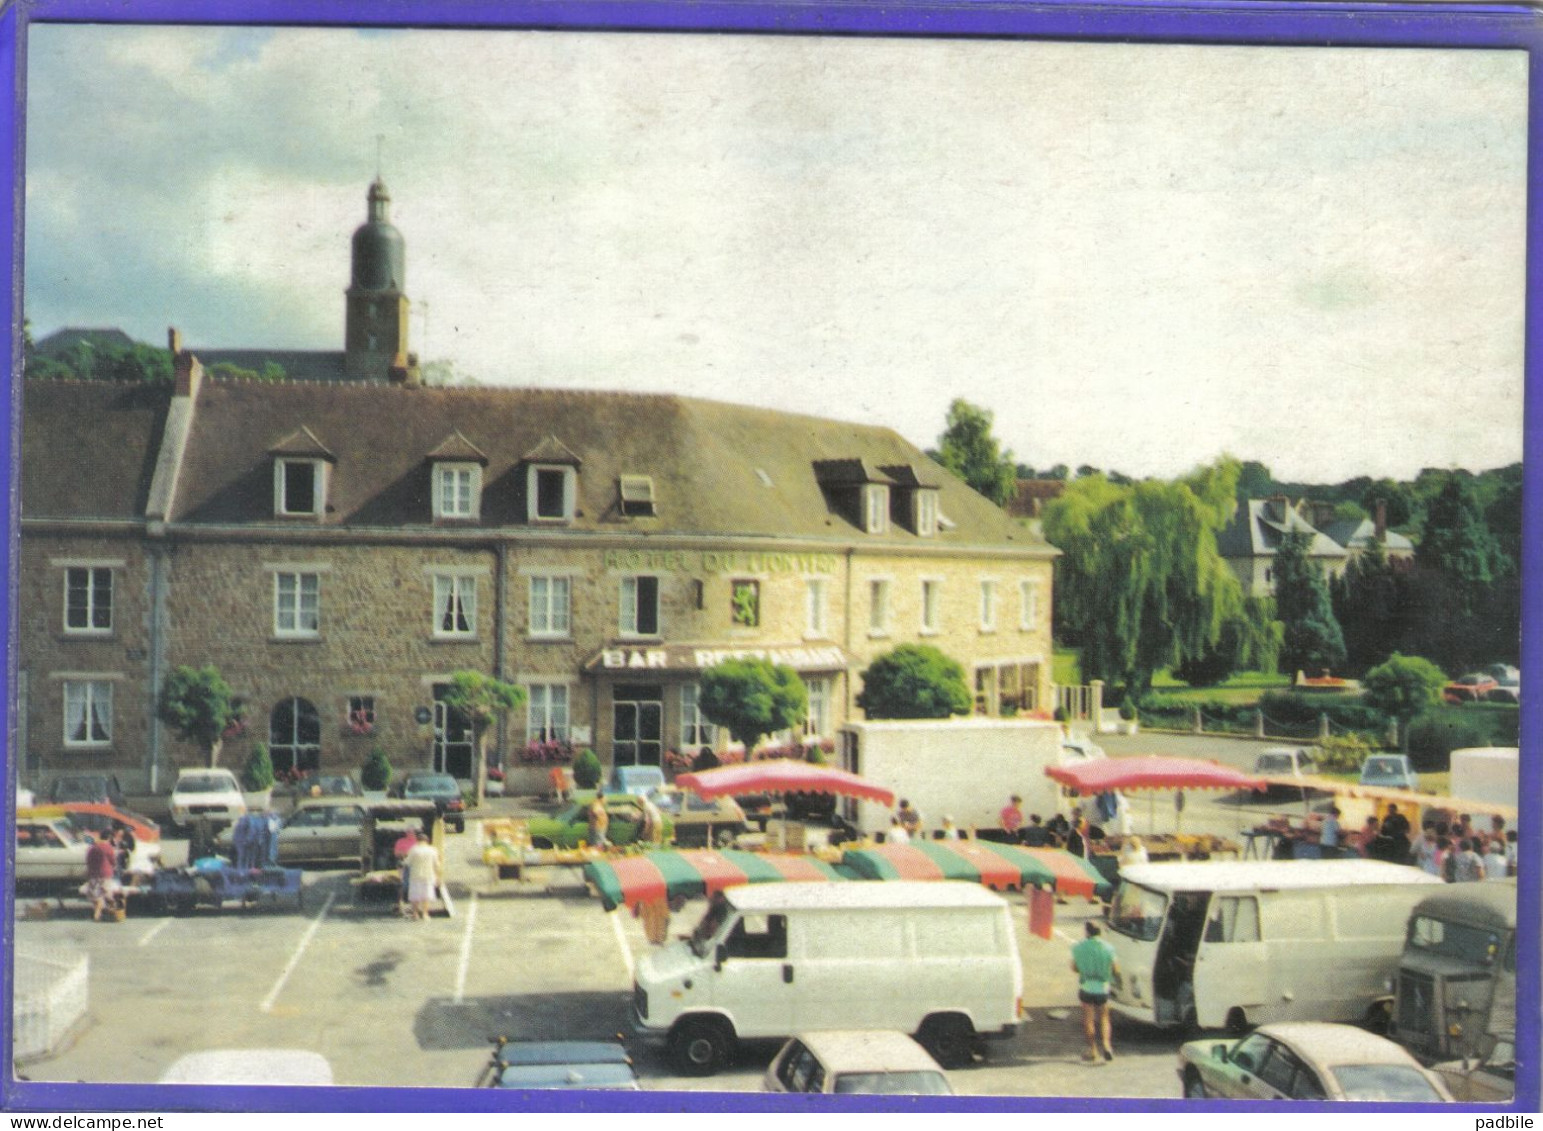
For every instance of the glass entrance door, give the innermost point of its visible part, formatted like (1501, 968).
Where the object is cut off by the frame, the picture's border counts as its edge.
(637, 725)
(453, 738)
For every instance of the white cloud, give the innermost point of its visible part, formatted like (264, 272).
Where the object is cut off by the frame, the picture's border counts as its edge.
(1136, 256)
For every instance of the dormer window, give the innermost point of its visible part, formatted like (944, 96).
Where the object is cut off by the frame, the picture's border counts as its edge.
(299, 487)
(875, 508)
(637, 496)
(457, 490)
(301, 467)
(925, 518)
(552, 492)
(551, 482)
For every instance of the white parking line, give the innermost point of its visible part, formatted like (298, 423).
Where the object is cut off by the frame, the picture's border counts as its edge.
(294, 959)
(460, 974)
(621, 941)
(153, 931)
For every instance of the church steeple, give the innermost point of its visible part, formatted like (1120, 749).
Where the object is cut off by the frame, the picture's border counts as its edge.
(375, 340)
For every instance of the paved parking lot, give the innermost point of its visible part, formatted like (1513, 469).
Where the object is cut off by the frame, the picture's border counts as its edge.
(394, 1002)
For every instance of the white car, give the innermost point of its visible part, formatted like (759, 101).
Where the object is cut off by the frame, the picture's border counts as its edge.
(1307, 1060)
(856, 1062)
(215, 794)
(48, 851)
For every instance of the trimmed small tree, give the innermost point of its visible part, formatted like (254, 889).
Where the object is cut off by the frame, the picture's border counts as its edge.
(197, 704)
(1404, 687)
(752, 698)
(587, 769)
(483, 700)
(914, 681)
(375, 774)
(257, 774)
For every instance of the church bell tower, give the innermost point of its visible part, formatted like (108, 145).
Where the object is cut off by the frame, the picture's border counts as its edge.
(375, 341)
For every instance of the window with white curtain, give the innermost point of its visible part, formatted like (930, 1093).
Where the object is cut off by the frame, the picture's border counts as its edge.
(546, 712)
(296, 604)
(455, 605)
(550, 606)
(88, 712)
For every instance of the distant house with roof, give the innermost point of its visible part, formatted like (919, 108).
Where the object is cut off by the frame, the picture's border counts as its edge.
(1251, 540)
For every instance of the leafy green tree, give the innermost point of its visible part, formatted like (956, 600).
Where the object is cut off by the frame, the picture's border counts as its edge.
(1255, 481)
(752, 698)
(1311, 637)
(914, 681)
(970, 451)
(197, 704)
(1403, 686)
(1249, 641)
(484, 700)
(1372, 603)
(1140, 584)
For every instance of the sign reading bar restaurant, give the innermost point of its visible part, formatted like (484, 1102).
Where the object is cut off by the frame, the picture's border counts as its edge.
(688, 658)
(719, 561)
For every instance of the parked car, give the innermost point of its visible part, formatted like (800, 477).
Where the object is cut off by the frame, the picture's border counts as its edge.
(1468, 688)
(1390, 771)
(636, 779)
(320, 828)
(856, 1062)
(1307, 1060)
(442, 789)
(1284, 762)
(49, 851)
(85, 787)
(1489, 1080)
(1508, 684)
(328, 785)
(570, 824)
(699, 820)
(100, 818)
(546, 1065)
(215, 794)
(1079, 748)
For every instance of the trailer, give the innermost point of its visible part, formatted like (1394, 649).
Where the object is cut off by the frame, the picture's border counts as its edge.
(964, 768)
(185, 889)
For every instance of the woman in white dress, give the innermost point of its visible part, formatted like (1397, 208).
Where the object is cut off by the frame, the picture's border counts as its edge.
(422, 864)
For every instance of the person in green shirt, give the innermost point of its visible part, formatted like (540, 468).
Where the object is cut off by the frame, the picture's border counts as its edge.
(1094, 964)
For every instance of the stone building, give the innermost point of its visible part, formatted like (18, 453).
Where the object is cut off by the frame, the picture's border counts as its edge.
(337, 548)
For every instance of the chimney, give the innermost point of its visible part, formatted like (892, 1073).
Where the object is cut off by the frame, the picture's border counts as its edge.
(1382, 521)
(174, 340)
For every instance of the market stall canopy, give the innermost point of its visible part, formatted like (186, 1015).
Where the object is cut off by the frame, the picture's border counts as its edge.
(998, 866)
(653, 877)
(1151, 771)
(782, 775)
(1402, 797)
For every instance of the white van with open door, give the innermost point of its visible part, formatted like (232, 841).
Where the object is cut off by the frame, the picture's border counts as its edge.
(1236, 944)
(937, 960)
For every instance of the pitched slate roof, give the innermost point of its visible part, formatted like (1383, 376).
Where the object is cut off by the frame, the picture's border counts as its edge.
(716, 468)
(1258, 526)
(88, 448)
(1355, 534)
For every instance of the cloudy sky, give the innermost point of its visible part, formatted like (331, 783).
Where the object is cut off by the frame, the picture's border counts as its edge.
(1136, 256)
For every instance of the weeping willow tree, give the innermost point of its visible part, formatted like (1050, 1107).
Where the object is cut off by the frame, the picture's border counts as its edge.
(1140, 583)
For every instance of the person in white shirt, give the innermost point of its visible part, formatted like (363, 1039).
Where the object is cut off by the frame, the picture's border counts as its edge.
(1495, 866)
(897, 833)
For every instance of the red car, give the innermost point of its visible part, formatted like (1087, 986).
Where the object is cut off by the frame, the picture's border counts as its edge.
(1470, 688)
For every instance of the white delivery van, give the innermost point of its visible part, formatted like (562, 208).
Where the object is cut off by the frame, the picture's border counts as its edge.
(1236, 944)
(938, 960)
(1486, 773)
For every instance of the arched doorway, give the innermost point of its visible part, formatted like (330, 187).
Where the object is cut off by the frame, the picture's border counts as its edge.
(294, 736)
